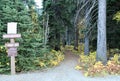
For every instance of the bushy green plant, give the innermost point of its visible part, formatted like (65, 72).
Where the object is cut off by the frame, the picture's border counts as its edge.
(53, 58)
(4, 60)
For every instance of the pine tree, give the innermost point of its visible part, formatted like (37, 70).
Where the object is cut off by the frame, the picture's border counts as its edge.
(14, 11)
(31, 41)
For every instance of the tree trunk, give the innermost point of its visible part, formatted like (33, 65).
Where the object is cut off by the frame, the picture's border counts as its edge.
(57, 45)
(46, 28)
(101, 37)
(67, 36)
(86, 48)
(86, 39)
(76, 38)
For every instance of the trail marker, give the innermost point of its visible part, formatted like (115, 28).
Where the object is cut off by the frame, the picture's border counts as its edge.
(12, 46)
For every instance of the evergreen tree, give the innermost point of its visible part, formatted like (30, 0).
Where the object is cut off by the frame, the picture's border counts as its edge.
(31, 41)
(14, 11)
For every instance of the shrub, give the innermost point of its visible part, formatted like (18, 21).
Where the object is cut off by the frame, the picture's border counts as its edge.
(98, 69)
(91, 67)
(53, 58)
(23, 63)
(4, 60)
(87, 61)
(71, 48)
(113, 67)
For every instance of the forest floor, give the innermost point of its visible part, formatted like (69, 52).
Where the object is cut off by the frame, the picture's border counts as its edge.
(64, 72)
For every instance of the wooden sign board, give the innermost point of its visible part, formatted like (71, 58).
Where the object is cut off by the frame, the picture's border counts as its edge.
(12, 45)
(12, 51)
(12, 27)
(11, 36)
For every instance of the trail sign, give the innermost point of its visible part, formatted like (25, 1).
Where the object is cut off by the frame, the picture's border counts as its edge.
(12, 46)
(12, 51)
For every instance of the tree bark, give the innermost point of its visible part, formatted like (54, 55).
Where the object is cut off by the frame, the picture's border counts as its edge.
(76, 38)
(86, 48)
(67, 36)
(45, 28)
(101, 37)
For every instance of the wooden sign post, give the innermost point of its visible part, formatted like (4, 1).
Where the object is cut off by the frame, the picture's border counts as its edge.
(12, 46)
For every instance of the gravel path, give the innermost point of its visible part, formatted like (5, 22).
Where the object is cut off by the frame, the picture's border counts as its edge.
(64, 72)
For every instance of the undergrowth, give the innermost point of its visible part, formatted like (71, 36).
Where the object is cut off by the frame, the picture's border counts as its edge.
(25, 63)
(90, 67)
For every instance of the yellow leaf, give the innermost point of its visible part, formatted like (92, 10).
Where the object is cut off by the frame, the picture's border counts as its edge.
(8, 64)
(86, 74)
(78, 67)
(42, 64)
(54, 63)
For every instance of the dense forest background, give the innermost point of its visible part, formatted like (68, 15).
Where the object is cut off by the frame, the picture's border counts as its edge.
(61, 23)
(64, 12)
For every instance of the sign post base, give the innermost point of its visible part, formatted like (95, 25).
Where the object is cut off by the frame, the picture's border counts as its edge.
(12, 65)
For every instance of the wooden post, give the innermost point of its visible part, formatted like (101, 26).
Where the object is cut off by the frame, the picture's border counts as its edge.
(12, 60)
(12, 49)
(13, 65)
